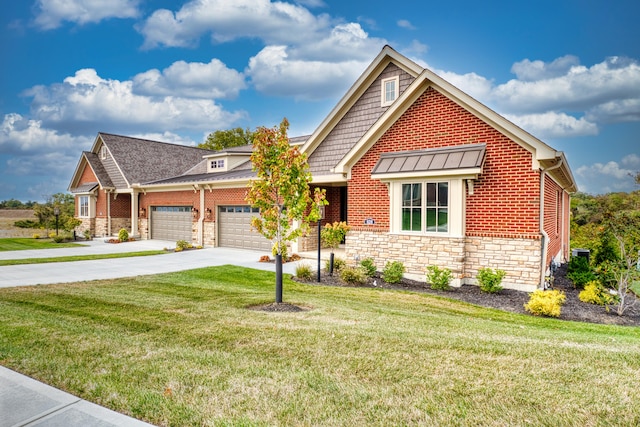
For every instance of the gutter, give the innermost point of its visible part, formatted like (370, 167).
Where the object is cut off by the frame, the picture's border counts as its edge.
(545, 236)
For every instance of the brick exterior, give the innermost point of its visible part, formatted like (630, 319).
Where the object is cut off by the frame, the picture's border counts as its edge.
(501, 222)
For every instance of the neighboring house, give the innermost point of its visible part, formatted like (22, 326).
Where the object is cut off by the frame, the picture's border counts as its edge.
(422, 172)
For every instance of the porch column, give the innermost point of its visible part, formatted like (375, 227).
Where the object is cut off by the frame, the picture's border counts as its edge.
(134, 213)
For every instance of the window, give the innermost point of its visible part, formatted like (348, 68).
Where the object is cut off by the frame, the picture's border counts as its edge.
(425, 207)
(217, 164)
(390, 89)
(103, 152)
(84, 206)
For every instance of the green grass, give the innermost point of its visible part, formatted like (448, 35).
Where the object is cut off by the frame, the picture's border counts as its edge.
(78, 258)
(635, 287)
(182, 349)
(20, 244)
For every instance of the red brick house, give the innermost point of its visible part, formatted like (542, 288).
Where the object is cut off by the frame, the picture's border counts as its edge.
(422, 172)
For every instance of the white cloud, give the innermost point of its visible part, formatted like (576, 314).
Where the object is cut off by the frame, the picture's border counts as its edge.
(619, 110)
(274, 74)
(85, 103)
(21, 135)
(403, 23)
(631, 160)
(528, 71)
(471, 83)
(225, 20)
(579, 88)
(193, 79)
(554, 125)
(605, 177)
(51, 13)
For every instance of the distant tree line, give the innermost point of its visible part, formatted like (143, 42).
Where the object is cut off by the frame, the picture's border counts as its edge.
(16, 204)
(44, 213)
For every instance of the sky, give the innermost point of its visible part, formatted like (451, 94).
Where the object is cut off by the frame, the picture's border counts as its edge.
(567, 71)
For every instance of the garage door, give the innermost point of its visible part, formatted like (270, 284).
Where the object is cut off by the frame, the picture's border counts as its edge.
(234, 229)
(171, 223)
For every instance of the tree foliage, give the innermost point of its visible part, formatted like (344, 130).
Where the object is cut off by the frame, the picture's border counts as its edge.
(281, 189)
(45, 212)
(16, 204)
(221, 139)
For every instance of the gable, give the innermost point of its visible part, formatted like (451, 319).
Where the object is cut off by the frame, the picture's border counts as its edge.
(366, 110)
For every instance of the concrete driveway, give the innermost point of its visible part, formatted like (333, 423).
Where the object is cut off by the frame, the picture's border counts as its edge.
(64, 272)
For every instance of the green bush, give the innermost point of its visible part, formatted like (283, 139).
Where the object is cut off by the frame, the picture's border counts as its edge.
(58, 239)
(489, 280)
(338, 264)
(183, 244)
(26, 223)
(369, 266)
(304, 271)
(333, 234)
(595, 293)
(353, 275)
(87, 234)
(579, 271)
(439, 278)
(545, 303)
(393, 271)
(123, 235)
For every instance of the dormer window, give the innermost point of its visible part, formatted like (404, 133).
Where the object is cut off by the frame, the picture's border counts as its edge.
(217, 164)
(390, 90)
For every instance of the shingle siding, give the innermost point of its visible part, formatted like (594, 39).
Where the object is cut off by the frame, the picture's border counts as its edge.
(364, 113)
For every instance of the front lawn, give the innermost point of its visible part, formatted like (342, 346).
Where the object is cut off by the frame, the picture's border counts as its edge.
(71, 258)
(182, 349)
(19, 244)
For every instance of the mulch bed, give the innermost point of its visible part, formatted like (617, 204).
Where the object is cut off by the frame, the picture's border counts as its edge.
(508, 299)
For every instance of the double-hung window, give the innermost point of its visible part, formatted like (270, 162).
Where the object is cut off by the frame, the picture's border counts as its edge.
(390, 90)
(84, 206)
(425, 207)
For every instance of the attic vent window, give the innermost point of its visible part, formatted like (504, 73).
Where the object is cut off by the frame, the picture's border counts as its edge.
(103, 152)
(217, 164)
(390, 90)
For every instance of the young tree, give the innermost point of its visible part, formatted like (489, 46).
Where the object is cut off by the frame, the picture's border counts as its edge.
(221, 139)
(281, 191)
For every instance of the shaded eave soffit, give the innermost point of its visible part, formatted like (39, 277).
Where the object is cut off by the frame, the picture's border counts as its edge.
(426, 79)
(384, 58)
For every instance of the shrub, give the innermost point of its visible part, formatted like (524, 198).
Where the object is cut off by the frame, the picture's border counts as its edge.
(87, 234)
(183, 244)
(58, 239)
(36, 236)
(123, 235)
(581, 278)
(393, 271)
(26, 223)
(304, 271)
(338, 264)
(333, 234)
(595, 293)
(353, 275)
(439, 278)
(489, 280)
(545, 303)
(369, 266)
(52, 234)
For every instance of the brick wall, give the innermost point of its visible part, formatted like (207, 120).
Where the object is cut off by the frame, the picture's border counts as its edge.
(506, 196)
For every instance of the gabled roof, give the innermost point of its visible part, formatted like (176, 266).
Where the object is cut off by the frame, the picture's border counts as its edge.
(142, 160)
(542, 153)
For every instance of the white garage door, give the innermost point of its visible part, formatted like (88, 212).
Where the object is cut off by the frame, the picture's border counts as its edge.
(171, 223)
(234, 229)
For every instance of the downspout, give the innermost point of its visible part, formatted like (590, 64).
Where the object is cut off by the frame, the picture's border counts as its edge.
(545, 236)
(109, 213)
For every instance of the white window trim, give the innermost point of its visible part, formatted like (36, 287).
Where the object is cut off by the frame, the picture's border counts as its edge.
(396, 81)
(456, 208)
(103, 152)
(91, 206)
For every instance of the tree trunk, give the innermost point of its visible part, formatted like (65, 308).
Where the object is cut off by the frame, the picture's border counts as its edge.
(278, 278)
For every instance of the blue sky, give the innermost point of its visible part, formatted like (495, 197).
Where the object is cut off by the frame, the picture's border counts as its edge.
(566, 71)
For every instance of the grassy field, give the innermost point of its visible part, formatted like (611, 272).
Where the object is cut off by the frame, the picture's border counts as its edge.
(183, 349)
(8, 217)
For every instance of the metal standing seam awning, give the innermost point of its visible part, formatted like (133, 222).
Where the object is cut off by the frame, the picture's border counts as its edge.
(459, 160)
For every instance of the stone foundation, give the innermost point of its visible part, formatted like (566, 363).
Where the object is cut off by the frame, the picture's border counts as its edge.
(209, 238)
(519, 257)
(102, 224)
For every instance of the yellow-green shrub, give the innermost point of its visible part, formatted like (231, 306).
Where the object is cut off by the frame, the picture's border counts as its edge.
(595, 293)
(545, 303)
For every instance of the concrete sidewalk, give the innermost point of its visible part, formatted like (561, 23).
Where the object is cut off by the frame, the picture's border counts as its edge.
(78, 271)
(27, 402)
